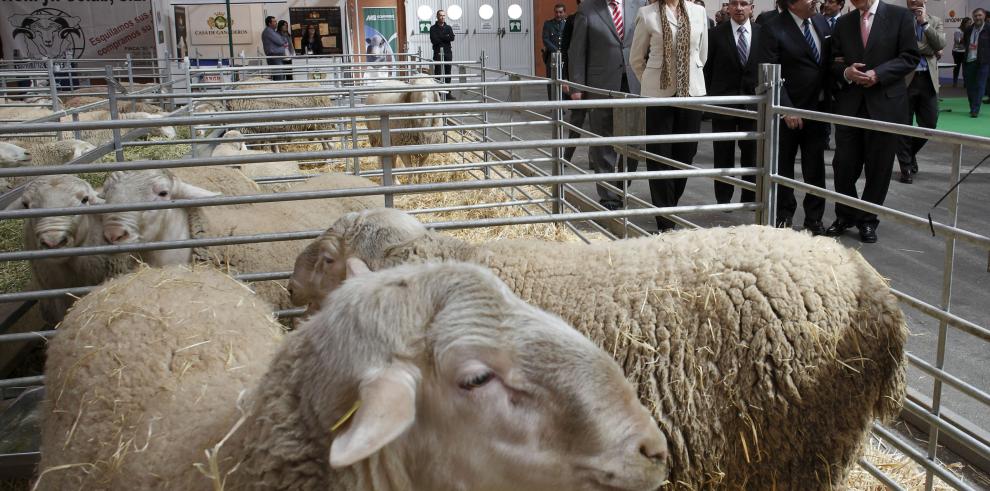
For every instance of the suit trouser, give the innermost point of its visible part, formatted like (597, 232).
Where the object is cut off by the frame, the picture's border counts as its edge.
(858, 150)
(725, 155)
(976, 83)
(276, 74)
(604, 159)
(810, 141)
(576, 118)
(442, 55)
(923, 106)
(667, 121)
(958, 57)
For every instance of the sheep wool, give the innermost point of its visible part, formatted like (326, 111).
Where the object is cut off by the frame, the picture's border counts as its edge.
(12, 155)
(59, 152)
(404, 95)
(185, 345)
(765, 354)
(288, 101)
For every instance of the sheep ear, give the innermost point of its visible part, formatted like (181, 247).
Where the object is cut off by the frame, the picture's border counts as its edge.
(356, 267)
(188, 191)
(388, 409)
(16, 205)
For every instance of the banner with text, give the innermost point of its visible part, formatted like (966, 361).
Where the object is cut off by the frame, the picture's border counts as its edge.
(208, 24)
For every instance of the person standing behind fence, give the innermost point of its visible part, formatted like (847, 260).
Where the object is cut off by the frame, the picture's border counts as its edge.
(923, 87)
(798, 41)
(874, 47)
(311, 42)
(283, 30)
(668, 56)
(575, 117)
(274, 46)
(959, 49)
(441, 35)
(599, 57)
(977, 67)
(553, 33)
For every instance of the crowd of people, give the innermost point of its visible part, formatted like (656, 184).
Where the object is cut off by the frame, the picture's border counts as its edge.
(276, 41)
(877, 61)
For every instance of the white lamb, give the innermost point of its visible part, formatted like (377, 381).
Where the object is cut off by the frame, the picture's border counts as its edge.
(419, 378)
(12, 155)
(19, 114)
(102, 136)
(261, 169)
(405, 94)
(764, 353)
(60, 232)
(60, 152)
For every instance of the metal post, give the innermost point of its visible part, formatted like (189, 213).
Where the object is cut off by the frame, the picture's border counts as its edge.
(118, 148)
(387, 160)
(948, 265)
(52, 88)
(768, 124)
(169, 103)
(189, 88)
(130, 80)
(76, 133)
(484, 113)
(558, 131)
(354, 135)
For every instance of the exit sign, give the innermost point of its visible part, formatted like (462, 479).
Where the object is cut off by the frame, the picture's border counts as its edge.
(515, 26)
(424, 27)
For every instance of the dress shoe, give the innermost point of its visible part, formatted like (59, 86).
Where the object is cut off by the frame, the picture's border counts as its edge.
(974, 115)
(838, 227)
(867, 234)
(783, 222)
(816, 228)
(906, 177)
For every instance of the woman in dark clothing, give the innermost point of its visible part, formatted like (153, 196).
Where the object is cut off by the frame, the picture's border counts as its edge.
(283, 30)
(311, 44)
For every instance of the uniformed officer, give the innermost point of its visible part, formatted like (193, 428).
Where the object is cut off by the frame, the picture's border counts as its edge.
(553, 31)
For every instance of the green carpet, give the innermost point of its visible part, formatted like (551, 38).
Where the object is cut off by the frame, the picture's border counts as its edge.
(958, 119)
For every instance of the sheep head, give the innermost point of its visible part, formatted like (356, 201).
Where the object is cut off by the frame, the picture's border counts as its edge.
(447, 362)
(357, 237)
(80, 148)
(59, 191)
(11, 154)
(142, 186)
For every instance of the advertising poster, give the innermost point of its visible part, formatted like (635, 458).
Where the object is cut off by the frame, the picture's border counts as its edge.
(380, 34)
(316, 28)
(209, 24)
(77, 29)
(181, 35)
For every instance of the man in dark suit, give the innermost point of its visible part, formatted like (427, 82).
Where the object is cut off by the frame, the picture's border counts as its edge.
(598, 56)
(798, 40)
(831, 10)
(874, 48)
(553, 32)
(576, 117)
(735, 51)
(441, 35)
(977, 66)
(769, 15)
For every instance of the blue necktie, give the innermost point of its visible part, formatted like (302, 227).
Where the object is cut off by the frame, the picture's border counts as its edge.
(742, 46)
(811, 41)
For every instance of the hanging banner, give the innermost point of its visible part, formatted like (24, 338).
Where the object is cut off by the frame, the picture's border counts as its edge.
(380, 34)
(209, 24)
(76, 29)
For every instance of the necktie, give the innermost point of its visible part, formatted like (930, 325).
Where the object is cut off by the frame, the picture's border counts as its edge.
(811, 41)
(831, 23)
(742, 46)
(617, 19)
(864, 28)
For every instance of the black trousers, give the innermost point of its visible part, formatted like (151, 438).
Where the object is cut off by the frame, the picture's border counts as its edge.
(859, 151)
(923, 107)
(667, 121)
(958, 57)
(810, 139)
(576, 118)
(725, 156)
(277, 74)
(442, 55)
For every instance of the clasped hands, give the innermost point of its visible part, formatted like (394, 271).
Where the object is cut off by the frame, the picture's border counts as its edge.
(855, 74)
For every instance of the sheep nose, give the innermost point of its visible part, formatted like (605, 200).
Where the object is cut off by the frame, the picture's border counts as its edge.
(115, 234)
(53, 242)
(654, 447)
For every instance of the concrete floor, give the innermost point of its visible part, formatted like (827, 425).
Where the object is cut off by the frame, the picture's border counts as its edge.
(912, 259)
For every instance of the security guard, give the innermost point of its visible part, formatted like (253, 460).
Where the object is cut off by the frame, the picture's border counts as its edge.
(553, 32)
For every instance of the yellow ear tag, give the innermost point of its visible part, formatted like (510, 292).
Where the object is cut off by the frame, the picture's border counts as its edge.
(343, 419)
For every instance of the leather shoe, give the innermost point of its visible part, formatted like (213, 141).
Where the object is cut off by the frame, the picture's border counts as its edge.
(611, 205)
(974, 115)
(867, 234)
(816, 228)
(906, 177)
(838, 227)
(783, 222)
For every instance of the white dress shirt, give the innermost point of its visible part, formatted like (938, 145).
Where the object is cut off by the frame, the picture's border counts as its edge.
(748, 35)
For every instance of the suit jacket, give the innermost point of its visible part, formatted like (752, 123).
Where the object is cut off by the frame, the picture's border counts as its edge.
(932, 40)
(596, 56)
(725, 73)
(891, 51)
(565, 44)
(767, 16)
(647, 58)
(552, 33)
(805, 79)
(982, 46)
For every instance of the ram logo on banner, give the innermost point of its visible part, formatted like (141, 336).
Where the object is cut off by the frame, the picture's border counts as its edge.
(210, 24)
(80, 29)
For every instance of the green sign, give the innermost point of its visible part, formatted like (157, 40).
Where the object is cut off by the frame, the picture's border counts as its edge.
(424, 27)
(515, 26)
(379, 31)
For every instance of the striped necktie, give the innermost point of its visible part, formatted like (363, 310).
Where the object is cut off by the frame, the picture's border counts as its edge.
(742, 45)
(811, 41)
(613, 5)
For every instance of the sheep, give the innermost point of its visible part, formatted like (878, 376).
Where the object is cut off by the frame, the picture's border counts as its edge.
(12, 155)
(404, 94)
(262, 169)
(101, 136)
(225, 221)
(60, 152)
(288, 101)
(421, 377)
(766, 354)
(60, 232)
(20, 114)
(124, 107)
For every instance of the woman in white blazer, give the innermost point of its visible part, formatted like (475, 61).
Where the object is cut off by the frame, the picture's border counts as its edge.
(669, 50)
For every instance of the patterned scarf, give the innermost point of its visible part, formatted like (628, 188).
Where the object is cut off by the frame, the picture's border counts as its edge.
(676, 49)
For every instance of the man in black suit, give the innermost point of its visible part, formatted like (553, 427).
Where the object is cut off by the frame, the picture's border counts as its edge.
(797, 39)
(735, 51)
(769, 15)
(553, 32)
(441, 35)
(874, 48)
(576, 117)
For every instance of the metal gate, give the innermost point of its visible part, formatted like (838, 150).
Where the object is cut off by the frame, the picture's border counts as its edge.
(502, 29)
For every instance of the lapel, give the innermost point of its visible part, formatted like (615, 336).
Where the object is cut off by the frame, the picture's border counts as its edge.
(879, 22)
(796, 34)
(601, 6)
(820, 25)
(733, 42)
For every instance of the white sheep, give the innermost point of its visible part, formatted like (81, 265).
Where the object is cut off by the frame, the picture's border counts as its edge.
(60, 232)
(423, 377)
(765, 353)
(12, 155)
(18, 114)
(261, 169)
(102, 136)
(124, 107)
(59, 152)
(404, 93)
(224, 221)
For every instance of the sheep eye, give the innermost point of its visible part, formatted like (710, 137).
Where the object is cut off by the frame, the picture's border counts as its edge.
(85, 200)
(163, 193)
(477, 381)
(26, 204)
